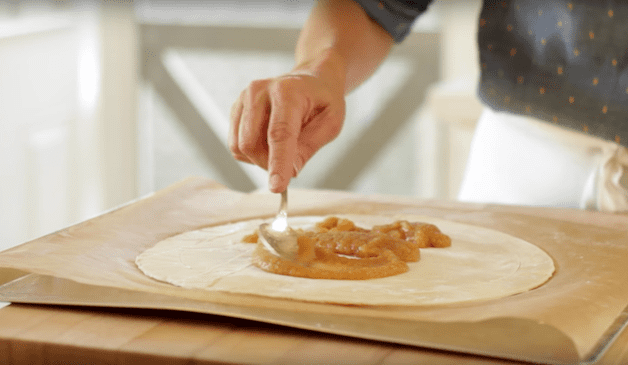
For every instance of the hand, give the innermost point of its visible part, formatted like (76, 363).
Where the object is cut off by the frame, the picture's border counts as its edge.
(280, 123)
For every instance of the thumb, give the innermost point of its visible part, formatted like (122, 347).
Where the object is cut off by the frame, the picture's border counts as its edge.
(314, 135)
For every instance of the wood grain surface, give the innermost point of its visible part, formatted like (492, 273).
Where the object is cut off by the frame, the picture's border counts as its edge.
(32, 334)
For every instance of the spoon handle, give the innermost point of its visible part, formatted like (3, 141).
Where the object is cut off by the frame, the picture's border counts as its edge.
(283, 208)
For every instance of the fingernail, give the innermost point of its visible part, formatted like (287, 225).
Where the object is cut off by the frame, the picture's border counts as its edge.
(274, 182)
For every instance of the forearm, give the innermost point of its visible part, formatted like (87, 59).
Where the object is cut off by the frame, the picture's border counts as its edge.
(340, 44)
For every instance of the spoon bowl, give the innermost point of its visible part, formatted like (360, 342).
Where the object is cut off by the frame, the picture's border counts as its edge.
(278, 237)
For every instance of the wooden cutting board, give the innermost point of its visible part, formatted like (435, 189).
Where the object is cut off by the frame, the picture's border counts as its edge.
(583, 298)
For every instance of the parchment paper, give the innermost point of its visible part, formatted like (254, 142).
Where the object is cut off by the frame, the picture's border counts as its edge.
(582, 300)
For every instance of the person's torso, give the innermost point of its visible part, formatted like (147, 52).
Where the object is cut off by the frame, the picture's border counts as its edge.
(565, 62)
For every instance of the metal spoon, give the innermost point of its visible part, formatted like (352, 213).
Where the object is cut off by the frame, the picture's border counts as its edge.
(277, 237)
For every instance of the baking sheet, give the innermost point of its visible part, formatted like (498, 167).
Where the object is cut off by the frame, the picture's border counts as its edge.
(567, 320)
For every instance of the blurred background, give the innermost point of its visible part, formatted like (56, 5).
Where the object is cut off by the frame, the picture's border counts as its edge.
(103, 102)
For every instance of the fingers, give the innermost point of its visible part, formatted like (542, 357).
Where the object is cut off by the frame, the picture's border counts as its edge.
(234, 126)
(279, 124)
(249, 121)
(254, 123)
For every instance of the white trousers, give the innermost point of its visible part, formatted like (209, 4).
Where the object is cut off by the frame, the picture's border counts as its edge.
(523, 161)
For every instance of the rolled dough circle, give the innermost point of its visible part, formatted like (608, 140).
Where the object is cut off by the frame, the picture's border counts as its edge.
(481, 264)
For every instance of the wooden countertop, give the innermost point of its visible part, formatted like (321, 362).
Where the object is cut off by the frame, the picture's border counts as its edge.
(47, 334)
(31, 334)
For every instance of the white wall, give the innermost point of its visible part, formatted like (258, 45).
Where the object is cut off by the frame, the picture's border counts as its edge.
(59, 162)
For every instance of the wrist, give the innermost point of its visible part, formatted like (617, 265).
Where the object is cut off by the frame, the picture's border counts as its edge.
(327, 66)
